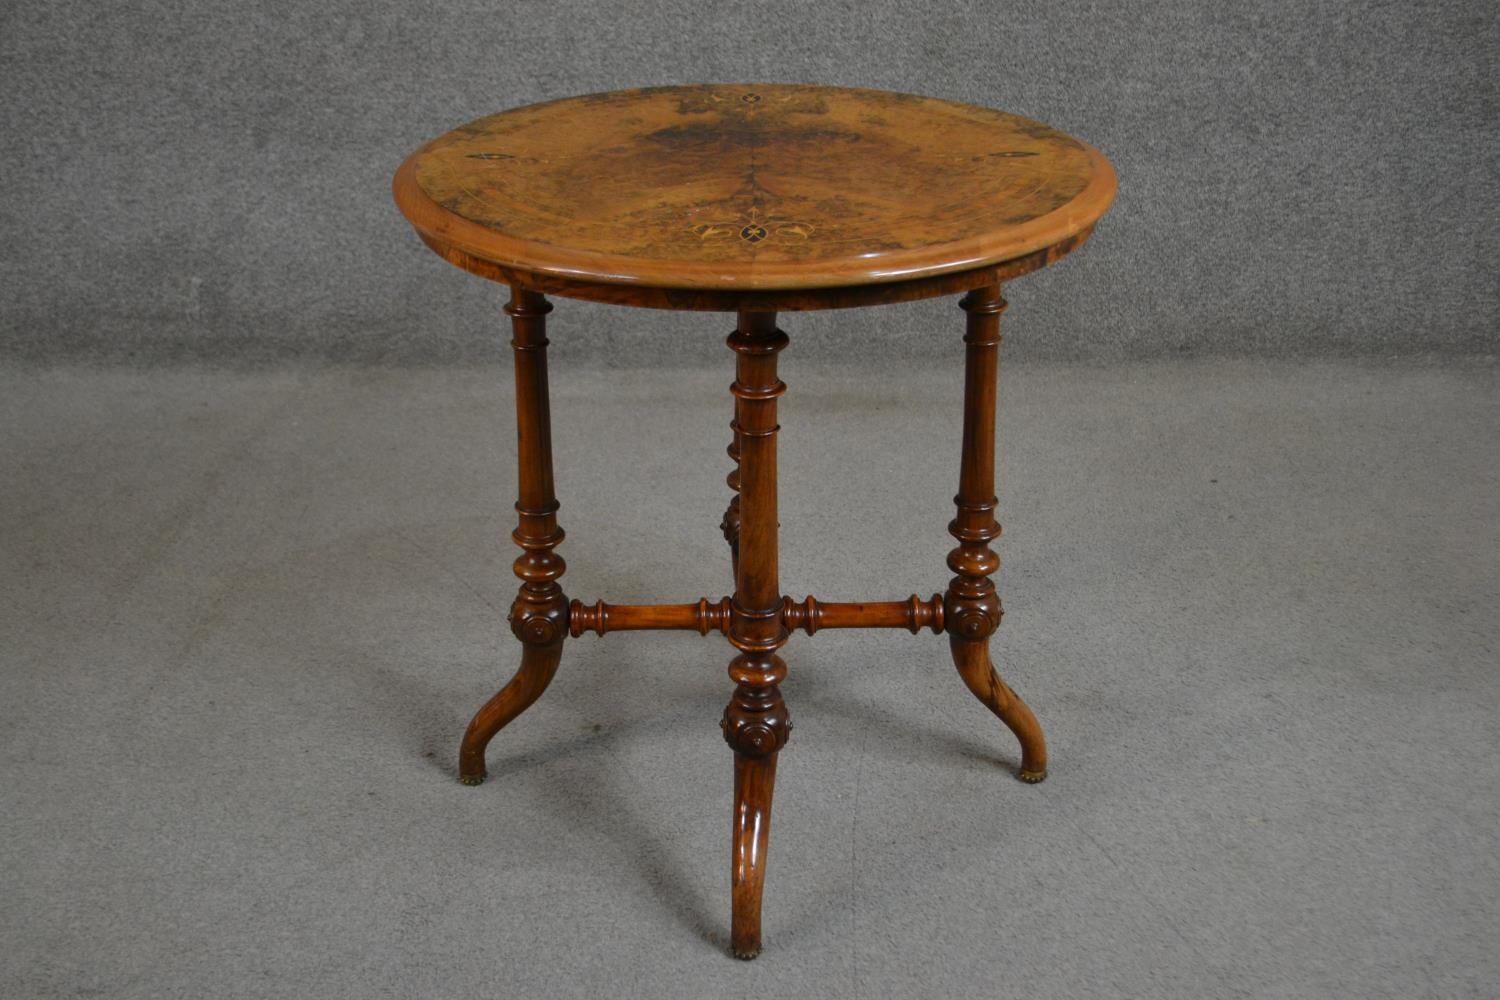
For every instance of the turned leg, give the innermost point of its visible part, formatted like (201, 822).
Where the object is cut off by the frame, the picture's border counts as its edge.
(731, 523)
(971, 607)
(539, 615)
(755, 722)
(538, 664)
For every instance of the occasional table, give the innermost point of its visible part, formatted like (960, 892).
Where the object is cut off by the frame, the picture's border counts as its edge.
(753, 199)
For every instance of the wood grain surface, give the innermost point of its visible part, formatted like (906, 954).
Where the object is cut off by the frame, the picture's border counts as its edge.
(754, 187)
(753, 198)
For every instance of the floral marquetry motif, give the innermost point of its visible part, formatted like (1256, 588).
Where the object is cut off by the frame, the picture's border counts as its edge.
(735, 187)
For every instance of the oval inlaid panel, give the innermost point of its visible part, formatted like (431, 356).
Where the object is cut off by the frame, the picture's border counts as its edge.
(752, 187)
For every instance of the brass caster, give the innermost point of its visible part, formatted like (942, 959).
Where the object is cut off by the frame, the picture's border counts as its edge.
(478, 779)
(1032, 777)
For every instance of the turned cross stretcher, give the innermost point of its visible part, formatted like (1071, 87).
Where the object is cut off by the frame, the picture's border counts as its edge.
(754, 200)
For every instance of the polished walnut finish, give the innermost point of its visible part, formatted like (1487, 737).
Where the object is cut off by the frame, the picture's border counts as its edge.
(755, 188)
(755, 200)
(971, 608)
(539, 616)
(755, 723)
(809, 615)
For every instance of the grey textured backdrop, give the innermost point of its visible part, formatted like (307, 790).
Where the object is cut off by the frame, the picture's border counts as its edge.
(208, 180)
(244, 614)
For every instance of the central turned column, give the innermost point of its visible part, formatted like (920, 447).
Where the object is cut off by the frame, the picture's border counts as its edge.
(755, 723)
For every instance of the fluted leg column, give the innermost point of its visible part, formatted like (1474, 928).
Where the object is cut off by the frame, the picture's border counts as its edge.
(971, 608)
(539, 615)
(755, 723)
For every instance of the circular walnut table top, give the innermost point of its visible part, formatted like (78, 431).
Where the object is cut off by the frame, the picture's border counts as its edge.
(754, 195)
